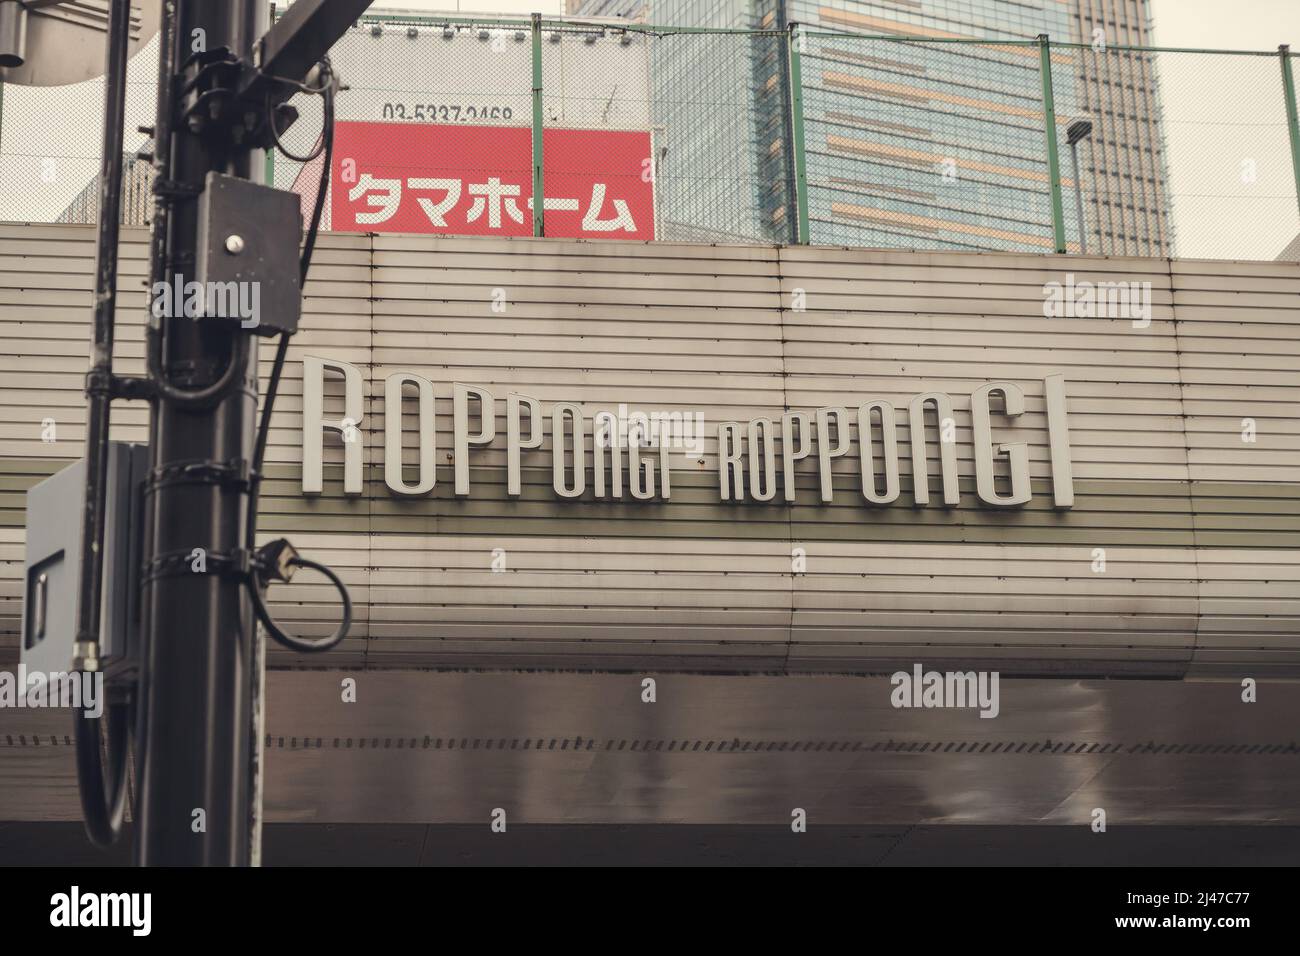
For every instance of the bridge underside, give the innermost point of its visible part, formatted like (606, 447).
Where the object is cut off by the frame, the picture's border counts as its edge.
(416, 766)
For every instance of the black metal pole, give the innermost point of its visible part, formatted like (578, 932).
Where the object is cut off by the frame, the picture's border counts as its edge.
(195, 749)
(1078, 199)
(103, 802)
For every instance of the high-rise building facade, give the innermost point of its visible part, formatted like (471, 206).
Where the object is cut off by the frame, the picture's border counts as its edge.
(924, 142)
(1128, 208)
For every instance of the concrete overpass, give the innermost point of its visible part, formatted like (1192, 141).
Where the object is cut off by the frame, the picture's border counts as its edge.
(519, 687)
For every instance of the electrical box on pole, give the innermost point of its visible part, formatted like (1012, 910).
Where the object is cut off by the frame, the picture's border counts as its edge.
(248, 243)
(51, 572)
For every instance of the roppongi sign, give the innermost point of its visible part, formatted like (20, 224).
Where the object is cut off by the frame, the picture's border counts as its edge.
(617, 450)
(478, 180)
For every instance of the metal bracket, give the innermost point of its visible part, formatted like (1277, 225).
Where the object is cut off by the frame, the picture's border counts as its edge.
(194, 373)
(103, 382)
(274, 561)
(237, 563)
(209, 81)
(219, 100)
(236, 473)
(172, 189)
(99, 382)
(133, 388)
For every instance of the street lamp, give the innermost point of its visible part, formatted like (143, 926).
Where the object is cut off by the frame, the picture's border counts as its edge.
(1078, 129)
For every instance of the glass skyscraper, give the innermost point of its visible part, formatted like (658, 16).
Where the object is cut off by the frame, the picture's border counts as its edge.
(922, 144)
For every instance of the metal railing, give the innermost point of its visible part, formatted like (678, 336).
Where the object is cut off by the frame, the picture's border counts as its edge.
(453, 125)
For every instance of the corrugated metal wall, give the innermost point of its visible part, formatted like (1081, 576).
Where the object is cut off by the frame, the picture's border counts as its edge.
(1201, 529)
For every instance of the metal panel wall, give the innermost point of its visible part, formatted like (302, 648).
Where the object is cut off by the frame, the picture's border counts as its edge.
(1200, 526)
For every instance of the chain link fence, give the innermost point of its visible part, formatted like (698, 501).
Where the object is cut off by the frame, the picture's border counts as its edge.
(714, 105)
(1178, 152)
(628, 131)
(50, 140)
(925, 145)
(1111, 151)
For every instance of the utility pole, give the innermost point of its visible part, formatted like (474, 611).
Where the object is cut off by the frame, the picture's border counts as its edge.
(194, 676)
(224, 80)
(195, 733)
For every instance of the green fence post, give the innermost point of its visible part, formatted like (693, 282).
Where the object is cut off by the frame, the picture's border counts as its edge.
(797, 134)
(1053, 155)
(538, 227)
(1292, 120)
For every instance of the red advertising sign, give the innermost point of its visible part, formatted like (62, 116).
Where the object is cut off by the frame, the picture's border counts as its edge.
(478, 181)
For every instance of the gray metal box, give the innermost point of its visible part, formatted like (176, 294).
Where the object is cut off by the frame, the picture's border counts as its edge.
(249, 236)
(52, 566)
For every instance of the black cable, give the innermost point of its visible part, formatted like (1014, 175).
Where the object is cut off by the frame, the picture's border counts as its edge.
(255, 589)
(326, 90)
(327, 144)
(103, 813)
(207, 396)
(304, 264)
(275, 136)
(256, 580)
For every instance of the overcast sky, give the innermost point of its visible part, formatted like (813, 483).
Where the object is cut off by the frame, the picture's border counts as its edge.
(1227, 24)
(1224, 122)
